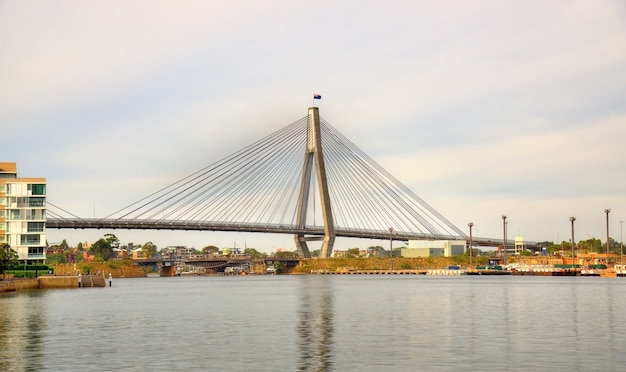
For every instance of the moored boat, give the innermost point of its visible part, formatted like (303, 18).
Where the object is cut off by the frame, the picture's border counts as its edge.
(620, 270)
(545, 270)
(488, 270)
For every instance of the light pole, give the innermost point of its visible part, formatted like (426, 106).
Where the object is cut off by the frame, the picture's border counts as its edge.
(470, 244)
(390, 249)
(621, 243)
(607, 211)
(572, 219)
(504, 239)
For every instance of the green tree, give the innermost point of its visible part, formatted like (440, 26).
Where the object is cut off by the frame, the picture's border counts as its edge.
(8, 257)
(64, 245)
(554, 248)
(286, 254)
(113, 241)
(253, 253)
(56, 258)
(210, 249)
(353, 252)
(378, 251)
(149, 250)
(590, 245)
(101, 250)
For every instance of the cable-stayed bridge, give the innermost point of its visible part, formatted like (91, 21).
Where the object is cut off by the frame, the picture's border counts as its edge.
(305, 179)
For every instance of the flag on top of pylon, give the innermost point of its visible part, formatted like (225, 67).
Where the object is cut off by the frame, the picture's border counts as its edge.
(317, 96)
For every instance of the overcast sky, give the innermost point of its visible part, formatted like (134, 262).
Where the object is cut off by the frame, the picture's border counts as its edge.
(481, 108)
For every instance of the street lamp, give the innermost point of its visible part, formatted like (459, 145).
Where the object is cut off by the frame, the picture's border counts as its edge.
(504, 239)
(607, 211)
(470, 243)
(572, 219)
(390, 249)
(621, 243)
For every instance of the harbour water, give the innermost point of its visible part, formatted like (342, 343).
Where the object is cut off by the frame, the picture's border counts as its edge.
(319, 323)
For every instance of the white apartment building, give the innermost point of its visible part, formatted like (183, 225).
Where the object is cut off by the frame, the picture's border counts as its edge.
(23, 214)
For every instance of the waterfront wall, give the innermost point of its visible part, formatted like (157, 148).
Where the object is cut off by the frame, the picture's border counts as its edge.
(89, 281)
(58, 282)
(50, 282)
(7, 286)
(24, 284)
(116, 269)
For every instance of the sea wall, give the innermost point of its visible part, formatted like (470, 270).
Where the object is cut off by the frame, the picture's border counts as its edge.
(48, 282)
(24, 284)
(7, 286)
(58, 282)
(116, 269)
(88, 281)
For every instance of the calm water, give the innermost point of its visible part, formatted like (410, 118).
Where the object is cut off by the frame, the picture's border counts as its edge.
(320, 323)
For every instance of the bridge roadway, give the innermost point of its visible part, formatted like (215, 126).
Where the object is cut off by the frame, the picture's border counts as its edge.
(216, 262)
(146, 224)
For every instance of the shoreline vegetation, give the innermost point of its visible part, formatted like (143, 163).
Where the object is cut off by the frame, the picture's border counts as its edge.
(117, 269)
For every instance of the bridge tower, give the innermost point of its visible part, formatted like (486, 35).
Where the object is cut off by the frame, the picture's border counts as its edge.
(313, 154)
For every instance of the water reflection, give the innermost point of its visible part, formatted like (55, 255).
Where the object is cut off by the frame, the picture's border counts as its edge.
(22, 327)
(315, 324)
(320, 323)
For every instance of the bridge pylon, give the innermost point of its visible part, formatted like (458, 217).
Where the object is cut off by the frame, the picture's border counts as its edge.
(314, 154)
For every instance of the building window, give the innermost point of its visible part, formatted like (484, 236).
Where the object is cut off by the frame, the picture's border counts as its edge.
(38, 189)
(26, 214)
(36, 202)
(35, 251)
(36, 214)
(18, 202)
(30, 239)
(35, 226)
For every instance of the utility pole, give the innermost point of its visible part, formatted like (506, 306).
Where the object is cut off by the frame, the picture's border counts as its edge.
(504, 239)
(470, 242)
(621, 243)
(607, 211)
(572, 219)
(390, 249)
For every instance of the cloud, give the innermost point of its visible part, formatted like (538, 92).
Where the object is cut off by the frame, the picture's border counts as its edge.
(482, 109)
(538, 177)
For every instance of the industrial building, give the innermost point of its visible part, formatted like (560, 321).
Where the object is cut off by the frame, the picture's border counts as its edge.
(434, 248)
